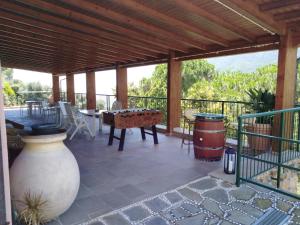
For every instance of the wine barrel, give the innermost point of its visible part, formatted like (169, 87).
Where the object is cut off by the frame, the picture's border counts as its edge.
(209, 136)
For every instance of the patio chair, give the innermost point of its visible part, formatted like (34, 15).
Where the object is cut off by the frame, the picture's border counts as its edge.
(73, 121)
(116, 105)
(47, 110)
(189, 120)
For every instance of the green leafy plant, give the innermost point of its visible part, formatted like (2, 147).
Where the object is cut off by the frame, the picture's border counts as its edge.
(261, 101)
(32, 213)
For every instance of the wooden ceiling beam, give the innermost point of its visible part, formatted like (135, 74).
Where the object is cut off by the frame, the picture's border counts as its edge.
(171, 21)
(8, 64)
(249, 10)
(240, 45)
(288, 16)
(78, 18)
(47, 65)
(63, 34)
(91, 52)
(39, 51)
(48, 22)
(126, 19)
(230, 52)
(29, 56)
(280, 4)
(220, 21)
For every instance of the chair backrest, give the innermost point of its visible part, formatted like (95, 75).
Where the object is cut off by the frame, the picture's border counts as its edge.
(116, 105)
(189, 113)
(70, 112)
(45, 104)
(63, 108)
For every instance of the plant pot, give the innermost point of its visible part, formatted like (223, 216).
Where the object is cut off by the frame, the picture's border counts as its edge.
(45, 168)
(259, 144)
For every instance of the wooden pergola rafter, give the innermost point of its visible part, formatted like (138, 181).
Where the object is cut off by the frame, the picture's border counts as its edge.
(136, 32)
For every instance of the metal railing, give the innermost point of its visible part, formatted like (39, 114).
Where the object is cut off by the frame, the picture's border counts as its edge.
(268, 150)
(232, 109)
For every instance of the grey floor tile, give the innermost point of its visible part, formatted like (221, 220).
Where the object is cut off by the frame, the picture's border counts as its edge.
(114, 199)
(74, 215)
(130, 191)
(116, 219)
(156, 221)
(136, 213)
(156, 204)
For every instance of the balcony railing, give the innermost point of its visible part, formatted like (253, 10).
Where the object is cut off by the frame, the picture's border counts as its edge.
(232, 109)
(268, 150)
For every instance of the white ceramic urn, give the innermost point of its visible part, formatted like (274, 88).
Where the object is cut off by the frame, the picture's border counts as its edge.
(46, 168)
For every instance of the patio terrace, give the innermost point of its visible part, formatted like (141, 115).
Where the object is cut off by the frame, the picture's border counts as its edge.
(160, 185)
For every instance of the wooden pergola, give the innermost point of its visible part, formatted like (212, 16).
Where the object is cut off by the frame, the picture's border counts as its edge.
(65, 37)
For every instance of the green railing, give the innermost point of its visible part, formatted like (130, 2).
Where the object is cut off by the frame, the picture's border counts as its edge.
(268, 150)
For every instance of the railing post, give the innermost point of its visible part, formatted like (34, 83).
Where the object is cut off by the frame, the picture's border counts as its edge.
(239, 150)
(298, 130)
(280, 148)
(223, 107)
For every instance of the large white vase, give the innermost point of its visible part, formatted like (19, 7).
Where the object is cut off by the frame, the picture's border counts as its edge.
(46, 167)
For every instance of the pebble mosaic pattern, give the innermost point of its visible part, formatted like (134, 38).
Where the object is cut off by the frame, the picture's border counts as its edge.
(205, 201)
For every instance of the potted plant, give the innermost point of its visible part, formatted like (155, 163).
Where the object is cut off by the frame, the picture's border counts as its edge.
(260, 101)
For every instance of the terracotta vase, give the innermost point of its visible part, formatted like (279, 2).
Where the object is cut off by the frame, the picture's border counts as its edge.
(45, 168)
(259, 144)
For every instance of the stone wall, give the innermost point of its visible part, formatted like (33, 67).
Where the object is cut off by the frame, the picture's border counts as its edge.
(289, 179)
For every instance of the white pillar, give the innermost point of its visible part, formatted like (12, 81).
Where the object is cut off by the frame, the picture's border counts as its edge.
(4, 160)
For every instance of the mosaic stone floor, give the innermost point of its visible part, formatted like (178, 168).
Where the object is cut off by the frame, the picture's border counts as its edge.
(204, 201)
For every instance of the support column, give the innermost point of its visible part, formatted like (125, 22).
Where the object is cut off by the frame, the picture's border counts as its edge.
(122, 89)
(173, 93)
(5, 200)
(283, 124)
(286, 77)
(55, 88)
(70, 88)
(90, 90)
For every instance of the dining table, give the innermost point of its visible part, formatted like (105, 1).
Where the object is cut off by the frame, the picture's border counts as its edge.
(94, 114)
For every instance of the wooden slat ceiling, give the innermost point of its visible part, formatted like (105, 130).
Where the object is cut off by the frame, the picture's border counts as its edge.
(60, 36)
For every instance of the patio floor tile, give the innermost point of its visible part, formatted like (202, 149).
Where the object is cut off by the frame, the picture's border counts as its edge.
(173, 197)
(130, 191)
(74, 215)
(157, 221)
(115, 219)
(136, 213)
(156, 204)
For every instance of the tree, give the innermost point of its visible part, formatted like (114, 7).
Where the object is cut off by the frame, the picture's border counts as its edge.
(7, 74)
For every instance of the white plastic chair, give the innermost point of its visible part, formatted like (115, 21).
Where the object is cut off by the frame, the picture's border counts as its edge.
(116, 105)
(73, 121)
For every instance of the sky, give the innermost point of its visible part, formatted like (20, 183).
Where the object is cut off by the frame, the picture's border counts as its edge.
(106, 80)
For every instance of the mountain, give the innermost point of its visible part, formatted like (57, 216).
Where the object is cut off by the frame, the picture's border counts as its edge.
(246, 62)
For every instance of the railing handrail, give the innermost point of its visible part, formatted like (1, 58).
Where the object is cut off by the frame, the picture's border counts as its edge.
(190, 99)
(270, 113)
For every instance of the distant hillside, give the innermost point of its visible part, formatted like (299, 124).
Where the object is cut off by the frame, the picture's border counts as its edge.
(244, 62)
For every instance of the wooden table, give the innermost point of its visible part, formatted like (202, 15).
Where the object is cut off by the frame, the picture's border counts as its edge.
(94, 114)
(130, 118)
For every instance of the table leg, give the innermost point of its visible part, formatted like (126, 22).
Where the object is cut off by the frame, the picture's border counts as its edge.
(100, 123)
(122, 139)
(143, 133)
(111, 135)
(94, 124)
(154, 134)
